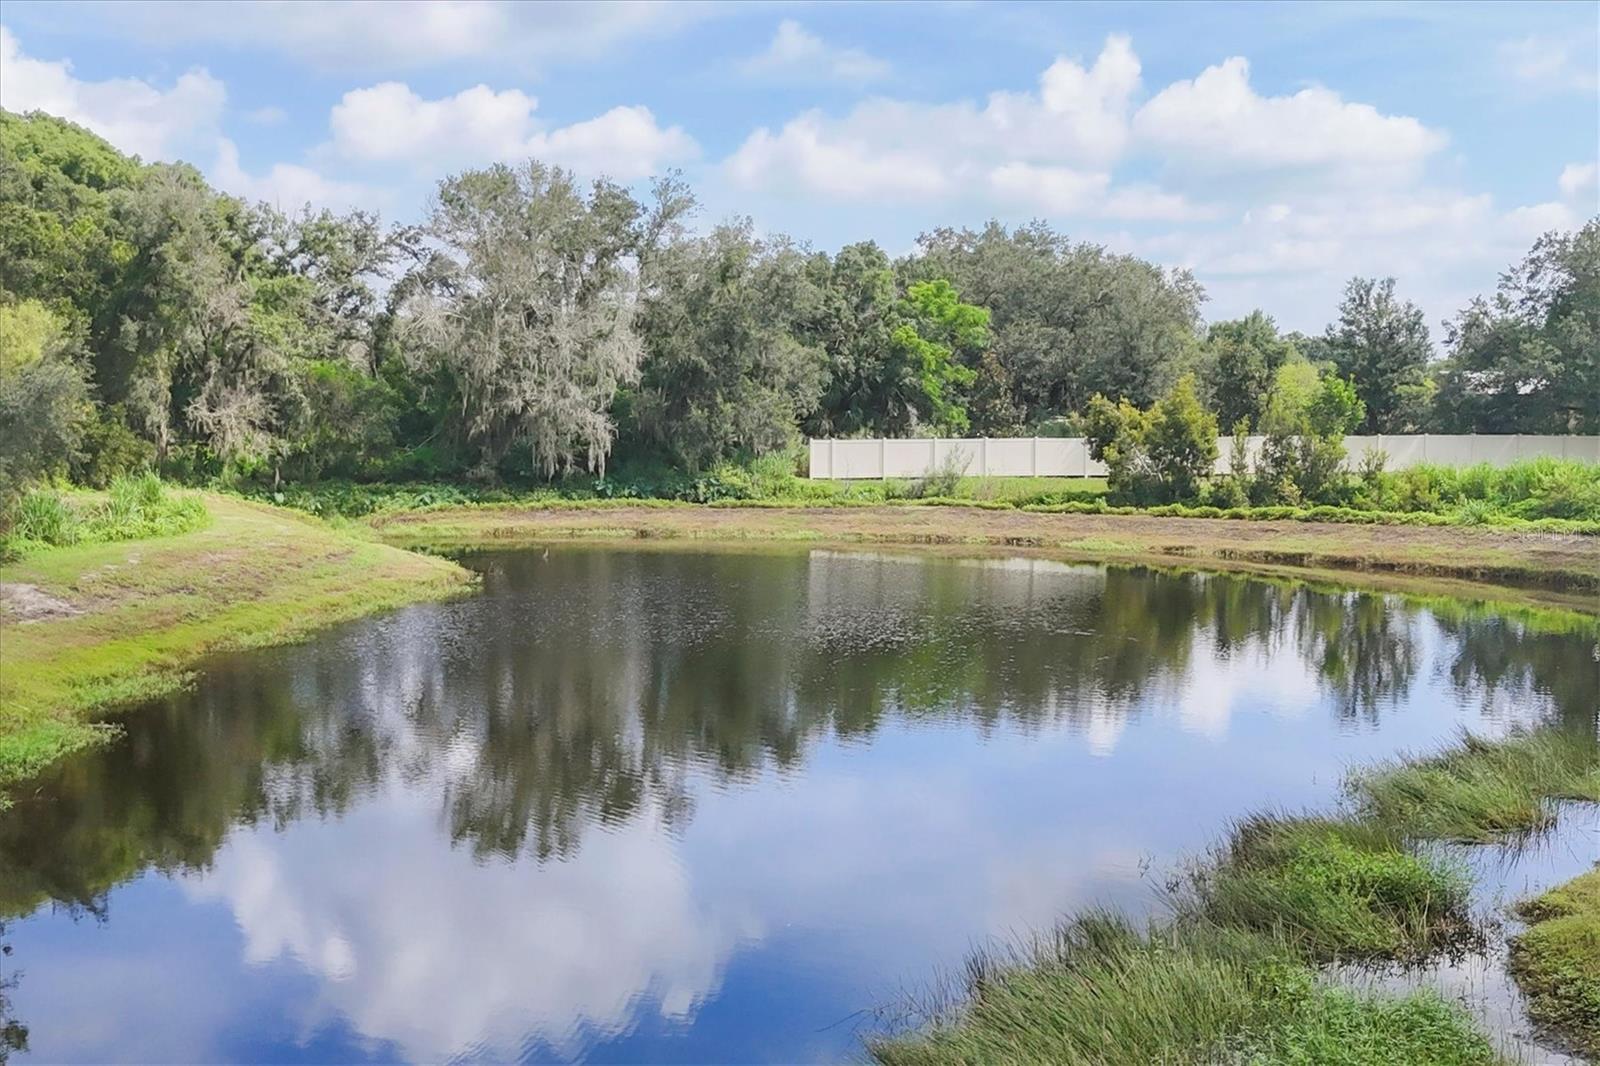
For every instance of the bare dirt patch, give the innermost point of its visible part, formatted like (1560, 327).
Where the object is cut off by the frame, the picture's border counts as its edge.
(22, 603)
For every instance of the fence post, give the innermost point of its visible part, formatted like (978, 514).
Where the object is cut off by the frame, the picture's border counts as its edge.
(1035, 456)
(933, 455)
(1084, 441)
(1424, 447)
(983, 452)
(883, 458)
(831, 467)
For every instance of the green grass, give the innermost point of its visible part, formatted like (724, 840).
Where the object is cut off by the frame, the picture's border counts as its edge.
(1314, 1025)
(1333, 889)
(1479, 791)
(1100, 991)
(133, 508)
(1557, 961)
(733, 486)
(147, 610)
(1229, 977)
(1039, 495)
(1531, 488)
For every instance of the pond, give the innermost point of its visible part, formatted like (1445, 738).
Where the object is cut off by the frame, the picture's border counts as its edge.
(696, 805)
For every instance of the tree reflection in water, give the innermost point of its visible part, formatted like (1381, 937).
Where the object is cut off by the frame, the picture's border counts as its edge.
(583, 688)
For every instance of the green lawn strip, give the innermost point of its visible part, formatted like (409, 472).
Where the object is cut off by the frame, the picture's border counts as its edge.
(1480, 791)
(151, 609)
(1556, 961)
(1100, 991)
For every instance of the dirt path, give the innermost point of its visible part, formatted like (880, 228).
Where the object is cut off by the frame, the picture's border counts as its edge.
(1567, 565)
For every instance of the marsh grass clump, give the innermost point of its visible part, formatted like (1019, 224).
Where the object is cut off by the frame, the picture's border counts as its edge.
(1096, 989)
(1557, 961)
(1316, 1025)
(1333, 890)
(1099, 990)
(1480, 791)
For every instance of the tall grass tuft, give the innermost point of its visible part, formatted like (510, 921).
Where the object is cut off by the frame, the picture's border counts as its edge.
(1557, 961)
(1333, 889)
(134, 507)
(1100, 991)
(1478, 790)
(42, 517)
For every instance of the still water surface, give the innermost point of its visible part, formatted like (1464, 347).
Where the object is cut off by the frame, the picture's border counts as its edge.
(666, 805)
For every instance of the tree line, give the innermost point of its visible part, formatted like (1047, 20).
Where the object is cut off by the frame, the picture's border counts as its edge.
(534, 326)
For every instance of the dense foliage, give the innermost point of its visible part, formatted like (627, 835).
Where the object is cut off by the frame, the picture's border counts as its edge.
(535, 327)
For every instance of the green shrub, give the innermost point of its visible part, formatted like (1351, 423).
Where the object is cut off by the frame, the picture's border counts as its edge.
(1161, 455)
(110, 449)
(1306, 418)
(41, 516)
(940, 480)
(1475, 512)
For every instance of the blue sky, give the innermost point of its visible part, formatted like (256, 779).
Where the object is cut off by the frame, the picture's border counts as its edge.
(1273, 149)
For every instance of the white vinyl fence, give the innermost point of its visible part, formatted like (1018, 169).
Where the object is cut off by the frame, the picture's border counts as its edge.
(1069, 456)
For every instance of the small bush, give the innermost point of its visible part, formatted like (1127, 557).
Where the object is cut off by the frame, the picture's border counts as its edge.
(43, 517)
(1475, 513)
(1161, 455)
(110, 450)
(941, 480)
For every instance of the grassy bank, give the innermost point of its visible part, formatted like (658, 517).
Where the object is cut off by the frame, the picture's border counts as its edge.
(1231, 974)
(94, 625)
(1566, 566)
(1542, 495)
(1557, 961)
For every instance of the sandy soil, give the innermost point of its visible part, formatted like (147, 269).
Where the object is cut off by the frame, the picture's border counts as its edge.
(24, 603)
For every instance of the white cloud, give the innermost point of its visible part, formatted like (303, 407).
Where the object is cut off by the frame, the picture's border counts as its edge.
(625, 143)
(391, 123)
(1064, 191)
(1056, 149)
(1553, 64)
(796, 54)
(286, 186)
(1578, 179)
(887, 147)
(548, 952)
(1059, 190)
(811, 153)
(1293, 256)
(132, 114)
(389, 34)
(1218, 121)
